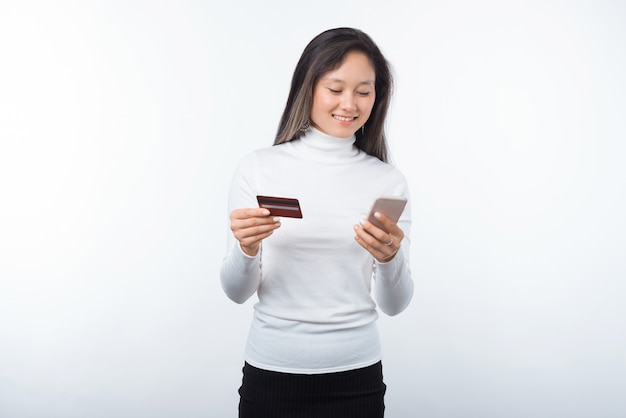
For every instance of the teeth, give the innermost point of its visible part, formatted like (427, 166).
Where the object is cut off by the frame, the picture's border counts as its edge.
(344, 118)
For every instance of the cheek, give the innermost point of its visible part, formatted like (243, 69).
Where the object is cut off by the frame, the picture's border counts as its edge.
(323, 100)
(321, 104)
(368, 105)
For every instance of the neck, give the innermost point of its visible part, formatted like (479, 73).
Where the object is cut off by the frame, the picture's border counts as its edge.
(326, 146)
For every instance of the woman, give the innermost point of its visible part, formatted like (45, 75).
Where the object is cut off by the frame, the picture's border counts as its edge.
(313, 348)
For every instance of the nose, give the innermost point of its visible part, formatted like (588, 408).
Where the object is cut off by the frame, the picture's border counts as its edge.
(348, 102)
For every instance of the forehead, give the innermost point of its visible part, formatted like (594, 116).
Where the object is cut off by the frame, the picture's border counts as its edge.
(356, 66)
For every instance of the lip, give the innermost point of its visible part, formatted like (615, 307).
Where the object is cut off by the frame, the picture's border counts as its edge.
(344, 119)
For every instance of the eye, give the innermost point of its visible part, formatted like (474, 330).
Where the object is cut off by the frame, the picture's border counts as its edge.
(334, 91)
(363, 93)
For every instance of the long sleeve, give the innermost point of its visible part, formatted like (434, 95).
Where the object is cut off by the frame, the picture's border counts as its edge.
(240, 274)
(393, 289)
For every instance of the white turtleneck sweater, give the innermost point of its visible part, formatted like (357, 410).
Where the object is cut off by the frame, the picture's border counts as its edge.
(315, 311)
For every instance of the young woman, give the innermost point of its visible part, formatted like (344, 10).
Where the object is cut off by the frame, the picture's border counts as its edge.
(313, 348)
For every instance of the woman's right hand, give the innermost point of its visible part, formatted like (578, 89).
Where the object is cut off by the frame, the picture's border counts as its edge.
(252, 225)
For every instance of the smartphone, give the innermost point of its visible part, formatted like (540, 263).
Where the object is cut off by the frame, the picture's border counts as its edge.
(392, 206)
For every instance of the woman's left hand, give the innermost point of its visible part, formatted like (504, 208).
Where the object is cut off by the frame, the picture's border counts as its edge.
(383, 245)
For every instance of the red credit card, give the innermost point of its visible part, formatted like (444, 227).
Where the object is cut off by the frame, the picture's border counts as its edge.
(280, 206)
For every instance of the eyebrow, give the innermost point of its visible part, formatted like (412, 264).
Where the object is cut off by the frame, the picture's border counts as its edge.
(338, 80)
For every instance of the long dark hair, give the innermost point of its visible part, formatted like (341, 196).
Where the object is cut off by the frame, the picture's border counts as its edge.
(326, 52)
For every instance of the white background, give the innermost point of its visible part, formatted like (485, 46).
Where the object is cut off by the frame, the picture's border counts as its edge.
(121, 123)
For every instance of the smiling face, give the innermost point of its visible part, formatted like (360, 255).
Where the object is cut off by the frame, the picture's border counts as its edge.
(343, 98)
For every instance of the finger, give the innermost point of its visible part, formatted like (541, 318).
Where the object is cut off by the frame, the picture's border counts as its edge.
(389, 224)
(381, 251)
(245, 213)
(370, 242)
(250, 217)
(254, 227)
(262, 224)
(254, 240)
(380, 234)
(250, 225)
(251, 237)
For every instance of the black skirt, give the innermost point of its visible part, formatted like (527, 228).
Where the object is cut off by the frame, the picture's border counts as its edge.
(354, 393)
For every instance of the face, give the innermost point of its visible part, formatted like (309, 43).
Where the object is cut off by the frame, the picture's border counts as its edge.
(343, 98)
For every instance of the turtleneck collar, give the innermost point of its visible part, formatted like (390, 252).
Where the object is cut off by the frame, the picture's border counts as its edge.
(318, 145)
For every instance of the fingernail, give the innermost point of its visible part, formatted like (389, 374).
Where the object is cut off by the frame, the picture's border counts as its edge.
(276, 219)
(266, 212)
(377, 215)
(362, 221)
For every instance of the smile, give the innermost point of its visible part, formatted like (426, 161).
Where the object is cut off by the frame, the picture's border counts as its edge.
(344, 118)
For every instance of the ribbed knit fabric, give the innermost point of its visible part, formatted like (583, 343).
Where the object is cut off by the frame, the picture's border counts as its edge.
(319, 291)
(355, 393)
